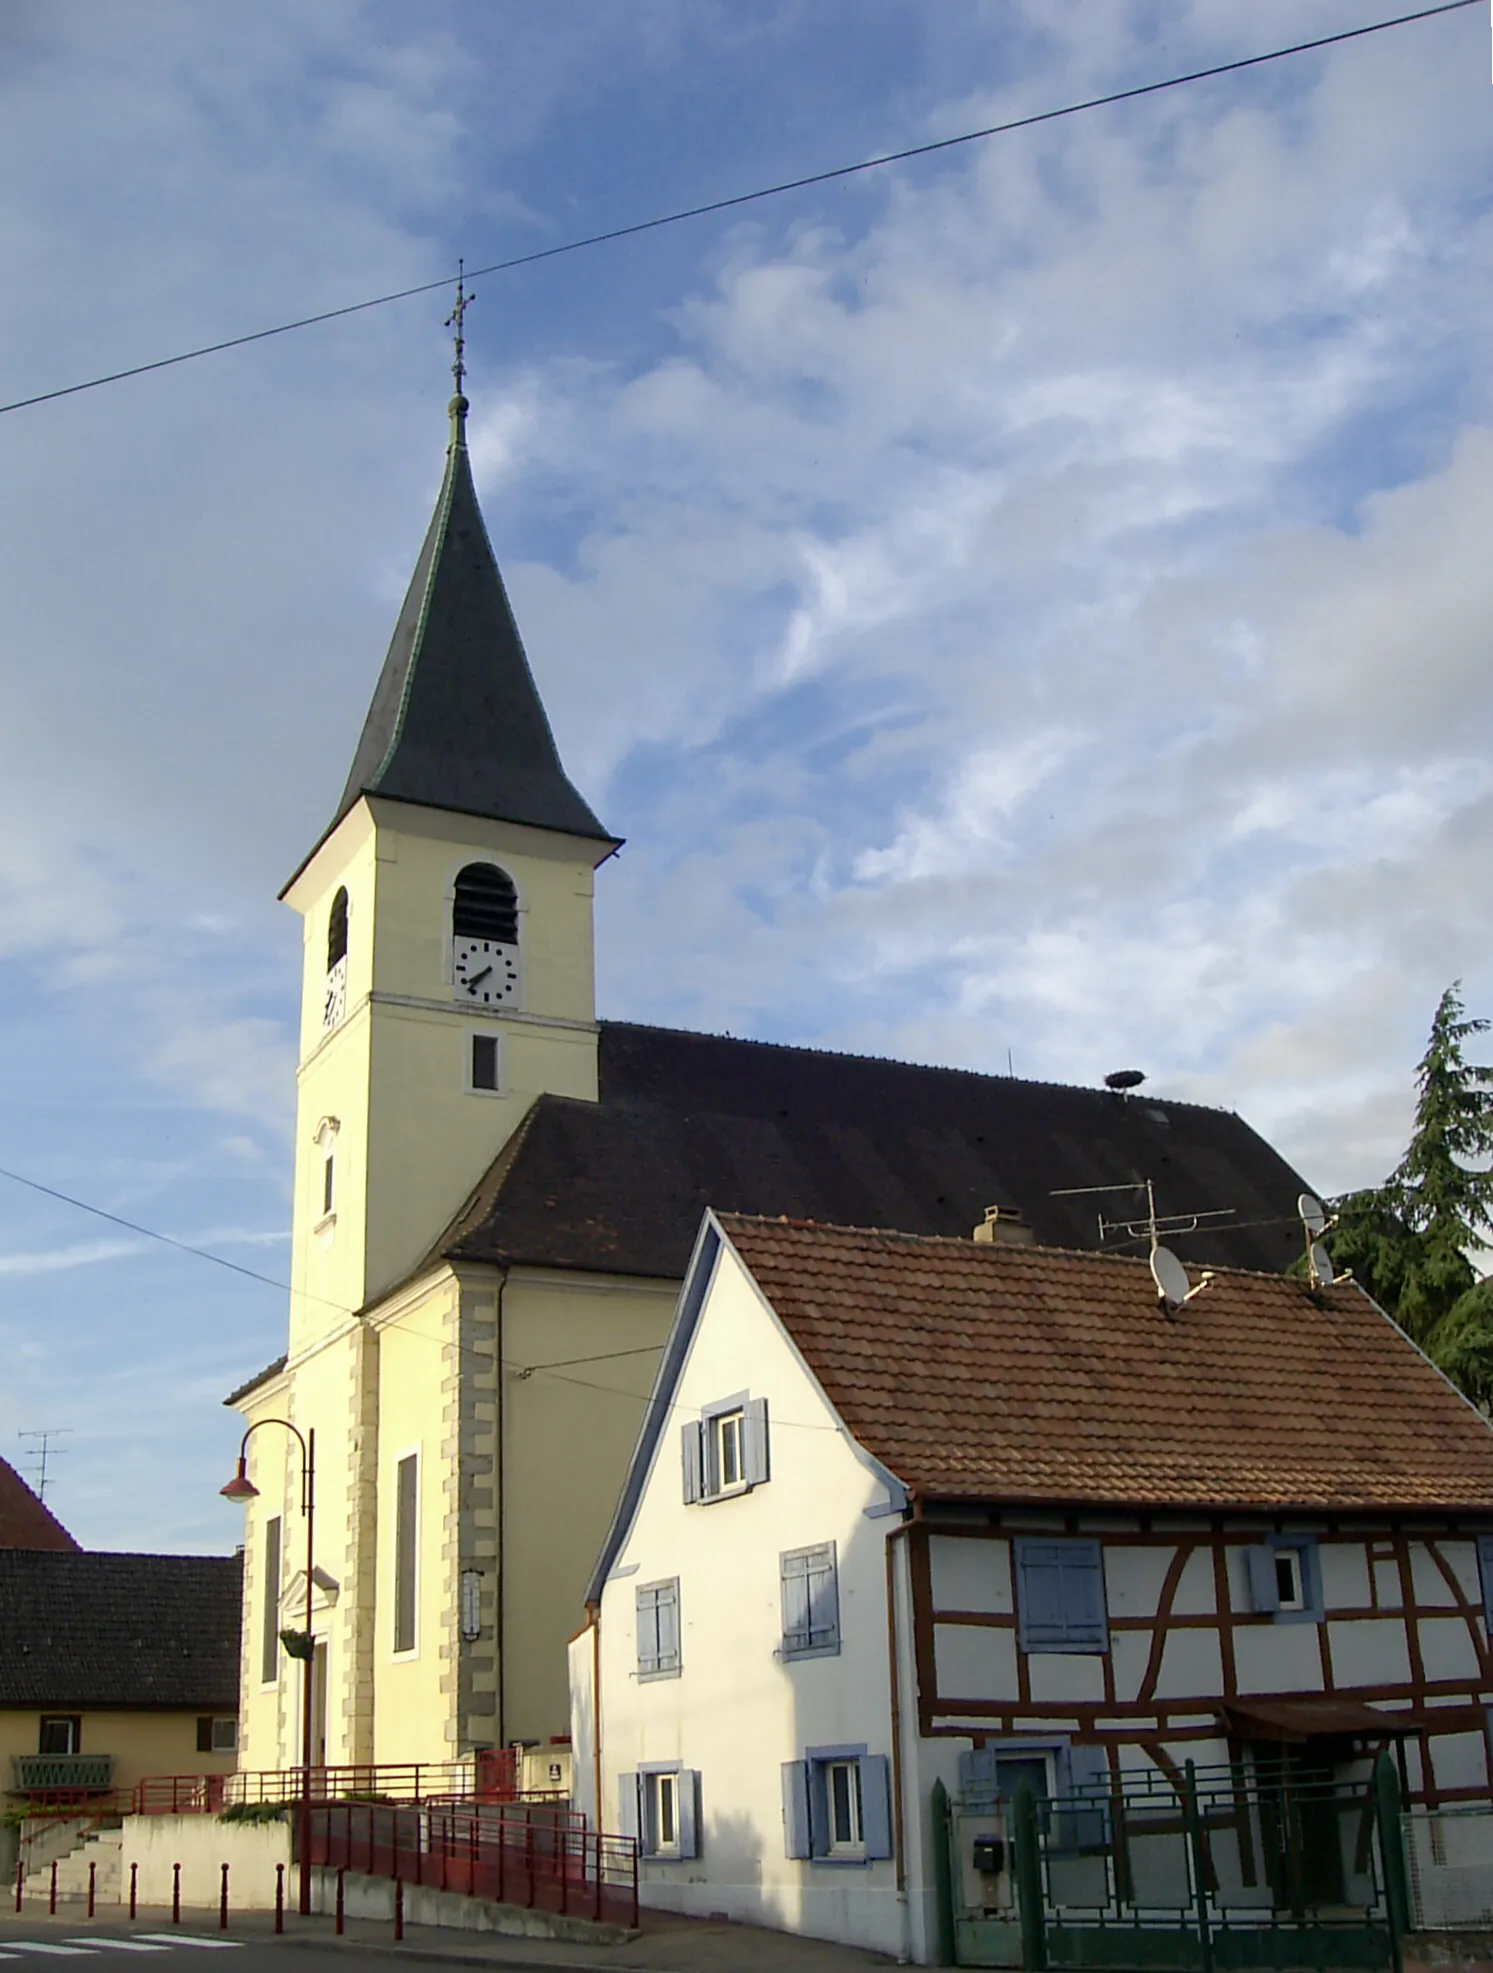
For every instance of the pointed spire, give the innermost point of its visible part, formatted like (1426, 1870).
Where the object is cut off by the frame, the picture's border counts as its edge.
(456, 720)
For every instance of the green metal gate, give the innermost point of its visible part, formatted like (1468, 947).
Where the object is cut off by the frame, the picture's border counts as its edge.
(1251, 1866)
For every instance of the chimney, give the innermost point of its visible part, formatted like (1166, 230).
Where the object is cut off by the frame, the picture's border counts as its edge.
(1006, 1225)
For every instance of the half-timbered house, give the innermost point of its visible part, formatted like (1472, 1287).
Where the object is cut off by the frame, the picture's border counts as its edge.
(912, 1513)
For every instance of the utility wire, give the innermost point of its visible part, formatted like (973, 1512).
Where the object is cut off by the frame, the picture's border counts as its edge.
(750, 198)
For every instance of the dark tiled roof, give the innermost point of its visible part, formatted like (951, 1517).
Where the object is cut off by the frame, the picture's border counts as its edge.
(138, 1631)
(259, 1377)
(456, 721)
(24, 1521)
(1026, 1374)
(687, 1121)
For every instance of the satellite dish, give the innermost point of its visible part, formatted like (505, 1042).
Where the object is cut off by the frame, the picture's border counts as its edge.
(1313, 1215)
(1172, 1284)
(1124, 1079)
(1321, 1266)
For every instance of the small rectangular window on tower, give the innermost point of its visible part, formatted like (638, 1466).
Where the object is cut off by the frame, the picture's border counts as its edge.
(327, 1189)
(485, 1062)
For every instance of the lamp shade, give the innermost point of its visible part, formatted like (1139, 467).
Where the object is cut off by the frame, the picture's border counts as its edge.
(240, 1487)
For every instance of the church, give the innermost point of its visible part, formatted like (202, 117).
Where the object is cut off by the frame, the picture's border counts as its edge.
(496, 1197)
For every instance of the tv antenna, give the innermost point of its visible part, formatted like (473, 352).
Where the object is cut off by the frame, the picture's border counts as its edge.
(44, 1451)
(1173, 1286)
(1315, 1221)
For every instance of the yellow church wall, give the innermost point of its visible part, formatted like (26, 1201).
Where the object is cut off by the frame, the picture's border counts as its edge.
(142, 1743)
(414, 1690)
(567, 1437)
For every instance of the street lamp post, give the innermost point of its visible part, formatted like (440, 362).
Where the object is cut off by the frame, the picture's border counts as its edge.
(241, 1487)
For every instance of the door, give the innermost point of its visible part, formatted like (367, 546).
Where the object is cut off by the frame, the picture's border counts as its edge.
(319, 1707)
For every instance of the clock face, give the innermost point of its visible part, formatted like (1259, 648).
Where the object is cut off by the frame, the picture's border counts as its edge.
(335, 1004)
(485, 972)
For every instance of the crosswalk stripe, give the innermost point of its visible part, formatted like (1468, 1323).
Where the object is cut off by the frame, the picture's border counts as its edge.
(45, 1945)
(192, 1939)
(120, 1945)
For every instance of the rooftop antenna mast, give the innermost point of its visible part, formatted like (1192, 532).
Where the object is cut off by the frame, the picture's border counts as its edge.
(1173, 1286)
(43, 1452)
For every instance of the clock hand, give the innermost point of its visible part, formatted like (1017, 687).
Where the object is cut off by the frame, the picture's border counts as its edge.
(477, 978)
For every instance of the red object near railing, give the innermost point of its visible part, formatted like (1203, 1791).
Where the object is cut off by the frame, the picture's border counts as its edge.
(543, 1858)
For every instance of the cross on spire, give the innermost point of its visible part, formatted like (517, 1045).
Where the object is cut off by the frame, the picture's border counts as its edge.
(457, 320)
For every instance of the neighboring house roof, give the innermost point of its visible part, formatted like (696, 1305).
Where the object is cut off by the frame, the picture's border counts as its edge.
(690, 1121)
(146, 1632)
(260, 1377)
(24, 1521)
(456, 721)
(1027, 1374)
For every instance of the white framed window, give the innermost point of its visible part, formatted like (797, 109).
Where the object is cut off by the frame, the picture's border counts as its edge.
(1285, 1578)
(842, 1791)
(407, 1554)
(217, 1736)
(660, 1806)
(727, 1451)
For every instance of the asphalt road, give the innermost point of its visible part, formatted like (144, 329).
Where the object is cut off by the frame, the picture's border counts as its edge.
(38, 1943)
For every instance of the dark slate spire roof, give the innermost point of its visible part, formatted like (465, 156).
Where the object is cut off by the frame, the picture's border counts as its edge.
(456, 721)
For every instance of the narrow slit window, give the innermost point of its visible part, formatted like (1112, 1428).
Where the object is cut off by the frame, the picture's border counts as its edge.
(485, 1061)
(843, 1790)
(406, 1560)
(728, 1449)
(337, 930)
(328, 1190)
(269, 1653)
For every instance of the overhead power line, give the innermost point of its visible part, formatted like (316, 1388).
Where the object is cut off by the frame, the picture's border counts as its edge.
(748, 198)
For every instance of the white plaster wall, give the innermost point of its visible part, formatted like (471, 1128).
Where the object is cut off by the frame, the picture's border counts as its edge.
(970, 1573)
(1369, 1651)
(1196, 1596)
(1191, 1666)
(1060, 1678)
(1277, 1658)
(1460, 1760)
(1431, 1586)
(1447, 1649)
(974, 1662)
(1387, 1583)
(1134, 1578)
(1129, 1654)
(1345, 1575)
(737, 1711)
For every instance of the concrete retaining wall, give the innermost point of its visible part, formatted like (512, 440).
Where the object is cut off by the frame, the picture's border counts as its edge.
(373, 1897)
(202, 1844)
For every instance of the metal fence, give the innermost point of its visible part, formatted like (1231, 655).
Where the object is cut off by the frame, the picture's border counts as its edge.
(1449, 1856)
(542, 1859)
(1212, 1868)
(485, 1777)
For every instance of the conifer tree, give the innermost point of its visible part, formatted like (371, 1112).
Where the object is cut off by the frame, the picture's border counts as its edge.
(1408, 1241)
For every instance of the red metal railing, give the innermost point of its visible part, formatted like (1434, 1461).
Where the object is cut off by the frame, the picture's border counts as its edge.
(486, 1777)
(543, 1859)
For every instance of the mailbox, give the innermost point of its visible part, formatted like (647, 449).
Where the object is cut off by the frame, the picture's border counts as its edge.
(990, 1855)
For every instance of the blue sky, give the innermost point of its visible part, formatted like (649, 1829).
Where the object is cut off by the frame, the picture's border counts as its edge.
(1034, 598)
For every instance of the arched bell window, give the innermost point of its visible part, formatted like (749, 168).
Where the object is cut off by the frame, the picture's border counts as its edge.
(335, 1004)
(337, 929)
(484, 936)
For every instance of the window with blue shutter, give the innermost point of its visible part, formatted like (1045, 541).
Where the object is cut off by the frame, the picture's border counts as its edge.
(837, 1806)
(1285, 1578)
(811, 1602)
(1060, 1602)
(627, 1805)
(727, 1451)
(668, 1811)
(658, 1630)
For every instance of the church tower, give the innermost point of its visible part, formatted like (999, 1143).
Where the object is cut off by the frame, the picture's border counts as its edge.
(448, 961)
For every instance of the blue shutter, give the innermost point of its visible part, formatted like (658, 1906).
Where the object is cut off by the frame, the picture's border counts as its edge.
(824, 1599)
(796, 1809)
(876, 1805)
(647, 1631)
(1086, 1821)
(754, 1442)
(1062, 1604)
(977, 1782)
(1485, 1569)
(689, 1812)
(668, 1626)
(1263, 1591)
(796, 1601)
(818, 1809)
(689, 1447)
(627, 1805)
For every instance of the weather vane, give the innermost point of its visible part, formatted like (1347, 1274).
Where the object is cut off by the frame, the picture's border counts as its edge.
(457, 320)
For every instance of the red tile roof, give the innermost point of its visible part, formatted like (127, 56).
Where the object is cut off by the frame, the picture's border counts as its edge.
(1039, 1374)
(24, 1522)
